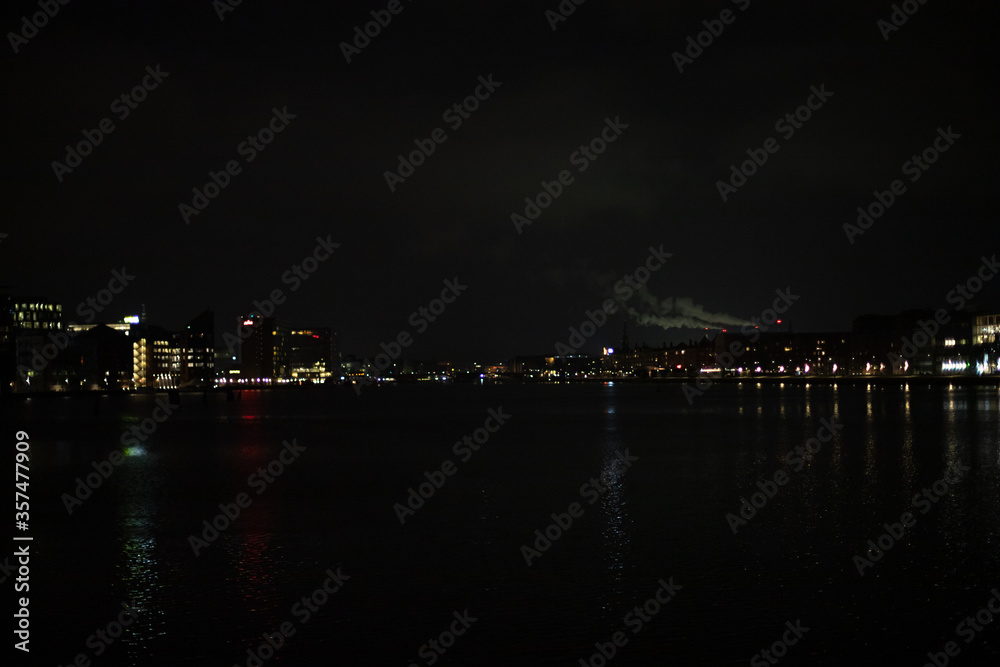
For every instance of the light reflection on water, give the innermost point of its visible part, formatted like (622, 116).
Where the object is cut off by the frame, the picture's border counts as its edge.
(138, 565)
(664, 516)
(617, 529)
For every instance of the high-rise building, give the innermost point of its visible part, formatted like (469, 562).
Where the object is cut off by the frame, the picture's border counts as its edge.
(313, 354)
(31, 339)
(197, 343)
(985, 350)
(986, 329)
(156, 358)
(264, 352)
(30, 314)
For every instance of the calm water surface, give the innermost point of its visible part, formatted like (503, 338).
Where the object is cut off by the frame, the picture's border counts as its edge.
(663, 517)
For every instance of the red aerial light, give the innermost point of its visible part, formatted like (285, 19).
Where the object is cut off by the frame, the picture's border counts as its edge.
(779, 321)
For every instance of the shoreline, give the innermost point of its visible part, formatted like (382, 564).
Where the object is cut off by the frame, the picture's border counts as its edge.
(882, 380)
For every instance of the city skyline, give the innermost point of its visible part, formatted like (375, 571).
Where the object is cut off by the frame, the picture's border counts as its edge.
(673, 319)
(43, 351)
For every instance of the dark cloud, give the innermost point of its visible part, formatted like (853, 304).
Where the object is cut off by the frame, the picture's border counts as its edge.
(656, 184)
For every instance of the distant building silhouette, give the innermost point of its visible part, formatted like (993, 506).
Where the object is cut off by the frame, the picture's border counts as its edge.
(264, 353)
(197, 344)
(105, 358)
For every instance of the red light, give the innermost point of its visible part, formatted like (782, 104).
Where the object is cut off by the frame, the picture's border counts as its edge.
(315, 336)
(723, 331)
(779, 321)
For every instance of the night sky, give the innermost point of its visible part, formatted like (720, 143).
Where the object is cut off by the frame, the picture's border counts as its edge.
(656, 184)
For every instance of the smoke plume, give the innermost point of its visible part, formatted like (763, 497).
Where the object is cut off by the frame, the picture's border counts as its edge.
(676, 312)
